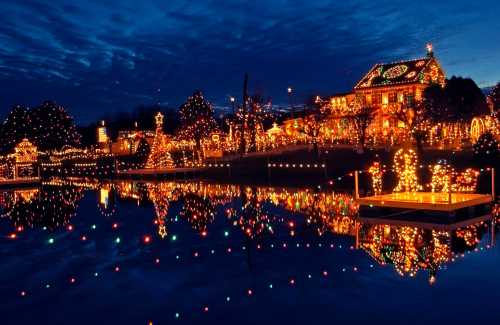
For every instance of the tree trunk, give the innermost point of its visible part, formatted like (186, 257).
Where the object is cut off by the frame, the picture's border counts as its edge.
(244, 109)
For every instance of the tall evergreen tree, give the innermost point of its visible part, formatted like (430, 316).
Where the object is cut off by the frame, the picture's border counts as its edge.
(53, 127)
(459, 100)
(464, 98)
(48, 126)
(15, 127)
(495, 97)
(196, 119)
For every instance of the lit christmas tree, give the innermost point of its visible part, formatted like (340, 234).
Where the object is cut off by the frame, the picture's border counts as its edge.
(197, 120)
(48, 126)
(160, 150)
(53, 127)
(16, 127)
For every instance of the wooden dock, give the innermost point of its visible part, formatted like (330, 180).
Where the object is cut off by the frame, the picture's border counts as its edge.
(146, 173)
(160, 171)
(444, 202)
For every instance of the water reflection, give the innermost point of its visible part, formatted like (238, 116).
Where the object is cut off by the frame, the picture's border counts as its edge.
(259, 213)
(50, 207)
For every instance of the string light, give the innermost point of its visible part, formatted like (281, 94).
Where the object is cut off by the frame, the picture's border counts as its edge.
(376, 172)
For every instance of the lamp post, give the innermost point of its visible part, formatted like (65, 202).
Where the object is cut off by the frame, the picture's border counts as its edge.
(232, 100)
(290, 91)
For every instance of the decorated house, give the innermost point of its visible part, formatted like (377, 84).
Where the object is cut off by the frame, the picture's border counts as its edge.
(387, 87)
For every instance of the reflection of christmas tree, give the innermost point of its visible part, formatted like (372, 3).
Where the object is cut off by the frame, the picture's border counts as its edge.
(161, 194)
(51, 207)
(160, 155)
(253, 220)
(198, 210)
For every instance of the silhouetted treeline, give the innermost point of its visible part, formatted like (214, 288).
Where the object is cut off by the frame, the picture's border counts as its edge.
(141, 117)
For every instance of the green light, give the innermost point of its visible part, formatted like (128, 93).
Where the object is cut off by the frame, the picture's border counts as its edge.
(177, 315)
(117, 240)
(228, 298)
(47, 286)
(226, 233)
(271, 286)
(51, 240)
(94, 226)
(174, 237)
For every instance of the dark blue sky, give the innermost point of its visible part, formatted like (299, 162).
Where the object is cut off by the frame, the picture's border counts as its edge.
(97, 57)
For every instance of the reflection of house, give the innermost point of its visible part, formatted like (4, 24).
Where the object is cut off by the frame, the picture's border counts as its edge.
(389, 86)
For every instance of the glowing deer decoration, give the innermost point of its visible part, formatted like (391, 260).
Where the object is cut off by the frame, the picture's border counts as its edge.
(442, 177)
(405, 165)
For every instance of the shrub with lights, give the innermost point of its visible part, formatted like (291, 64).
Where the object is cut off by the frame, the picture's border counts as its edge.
(486, 147)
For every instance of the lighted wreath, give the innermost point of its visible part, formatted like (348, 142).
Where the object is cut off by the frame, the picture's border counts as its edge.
(395, 71)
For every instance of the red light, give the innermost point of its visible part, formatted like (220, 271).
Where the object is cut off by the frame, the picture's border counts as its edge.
(13, 236)
(115, 225)
(70, 227)
(72, 280)
(147, 239)
(117, 269)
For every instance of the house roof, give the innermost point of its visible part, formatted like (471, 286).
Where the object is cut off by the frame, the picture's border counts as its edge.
(388, 74)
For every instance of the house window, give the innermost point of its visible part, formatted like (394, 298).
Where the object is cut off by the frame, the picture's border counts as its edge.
(385, 99)
(410, 100)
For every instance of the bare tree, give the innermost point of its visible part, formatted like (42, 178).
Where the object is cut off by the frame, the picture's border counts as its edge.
(415, 120)
(362, 120)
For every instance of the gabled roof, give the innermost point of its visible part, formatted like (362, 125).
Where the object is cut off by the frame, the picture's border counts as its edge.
(388, 74)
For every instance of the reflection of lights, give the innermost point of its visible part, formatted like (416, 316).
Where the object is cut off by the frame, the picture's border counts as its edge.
(104, 197)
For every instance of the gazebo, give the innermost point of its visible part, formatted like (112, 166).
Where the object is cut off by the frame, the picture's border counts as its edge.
(26, 157)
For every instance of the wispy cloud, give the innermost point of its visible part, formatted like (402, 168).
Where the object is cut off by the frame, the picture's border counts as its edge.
(96, 54)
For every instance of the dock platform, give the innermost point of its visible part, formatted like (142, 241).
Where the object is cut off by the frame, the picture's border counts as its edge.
(442, 202)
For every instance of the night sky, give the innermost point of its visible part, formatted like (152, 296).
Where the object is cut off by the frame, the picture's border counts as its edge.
(99, 57)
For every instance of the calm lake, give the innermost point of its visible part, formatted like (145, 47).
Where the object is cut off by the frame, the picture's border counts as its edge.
(79, 251)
